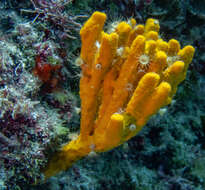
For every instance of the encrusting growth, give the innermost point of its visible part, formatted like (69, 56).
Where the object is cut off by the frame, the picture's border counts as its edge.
(127, 76)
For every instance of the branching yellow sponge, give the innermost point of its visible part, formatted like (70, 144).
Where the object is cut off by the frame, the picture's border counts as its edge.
(127, 76)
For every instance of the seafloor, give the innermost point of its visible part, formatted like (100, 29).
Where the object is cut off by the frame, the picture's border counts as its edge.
(39, 112)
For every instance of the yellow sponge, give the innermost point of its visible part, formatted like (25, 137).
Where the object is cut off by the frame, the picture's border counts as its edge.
(127, 76)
